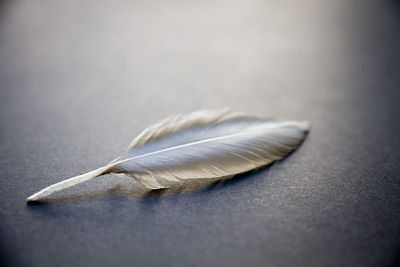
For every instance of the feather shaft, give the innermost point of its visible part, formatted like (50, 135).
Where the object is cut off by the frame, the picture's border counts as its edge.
(67, 183)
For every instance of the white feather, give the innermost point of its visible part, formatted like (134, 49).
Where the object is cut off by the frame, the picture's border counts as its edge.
(200, 145)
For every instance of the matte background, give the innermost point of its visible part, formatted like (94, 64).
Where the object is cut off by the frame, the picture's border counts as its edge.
(80, 79)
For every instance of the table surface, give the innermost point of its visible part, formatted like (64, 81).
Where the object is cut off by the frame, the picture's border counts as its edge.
(80, 79)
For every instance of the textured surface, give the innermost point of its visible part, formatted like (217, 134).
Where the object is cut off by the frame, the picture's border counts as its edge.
(79, 80)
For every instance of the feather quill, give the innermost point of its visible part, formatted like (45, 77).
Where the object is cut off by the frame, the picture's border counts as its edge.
(201, 145)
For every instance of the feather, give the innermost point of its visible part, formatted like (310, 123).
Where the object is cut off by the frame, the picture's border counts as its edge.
(201, 145)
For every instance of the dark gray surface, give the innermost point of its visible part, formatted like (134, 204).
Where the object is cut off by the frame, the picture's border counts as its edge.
(79, 80)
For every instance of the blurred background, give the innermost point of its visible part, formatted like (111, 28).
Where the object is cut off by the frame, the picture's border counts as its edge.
(80, 79)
